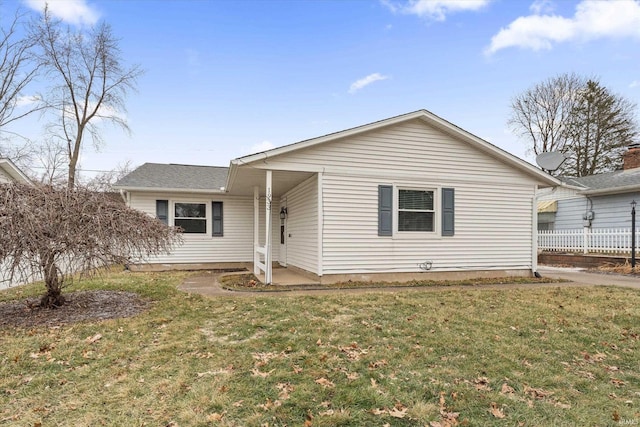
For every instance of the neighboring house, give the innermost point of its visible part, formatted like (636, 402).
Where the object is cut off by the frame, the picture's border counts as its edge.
(387, 200)
(596, 201)
(9, 172)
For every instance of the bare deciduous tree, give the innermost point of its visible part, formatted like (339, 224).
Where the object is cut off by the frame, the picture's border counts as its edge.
(57, 231)
(601, 127)
(17, 70)
(578, 117)
(91, 82)
(541, 114)
(104, 180)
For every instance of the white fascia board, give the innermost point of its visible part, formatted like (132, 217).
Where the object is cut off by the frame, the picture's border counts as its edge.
(14, 171)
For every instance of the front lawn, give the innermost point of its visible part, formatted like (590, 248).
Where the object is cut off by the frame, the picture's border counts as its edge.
(473, 357)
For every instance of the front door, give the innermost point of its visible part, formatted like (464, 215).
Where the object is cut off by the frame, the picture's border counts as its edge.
(282, 259)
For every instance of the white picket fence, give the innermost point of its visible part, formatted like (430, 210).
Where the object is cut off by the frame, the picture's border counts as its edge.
(587, 240)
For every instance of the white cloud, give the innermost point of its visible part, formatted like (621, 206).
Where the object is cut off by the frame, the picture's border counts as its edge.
(261, 146)
(592, 20)
(366, 81)
(634, 83)
(542, 6)
(436, 10)
(76, 12)
(27, 100)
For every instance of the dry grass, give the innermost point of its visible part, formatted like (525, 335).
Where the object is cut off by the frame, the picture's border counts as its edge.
(517, 357)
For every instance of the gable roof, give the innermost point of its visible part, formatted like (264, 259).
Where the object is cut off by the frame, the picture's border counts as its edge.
(173, 177)
(623, 181)
(424, 115)
(13, 171)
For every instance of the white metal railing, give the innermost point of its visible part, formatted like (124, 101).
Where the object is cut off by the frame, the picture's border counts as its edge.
(599, 240)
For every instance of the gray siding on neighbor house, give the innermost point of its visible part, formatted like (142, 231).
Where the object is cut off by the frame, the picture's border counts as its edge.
(612, 211)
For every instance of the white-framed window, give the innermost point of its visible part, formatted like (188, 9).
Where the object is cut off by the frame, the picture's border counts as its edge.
(191, 217)
(416, 210)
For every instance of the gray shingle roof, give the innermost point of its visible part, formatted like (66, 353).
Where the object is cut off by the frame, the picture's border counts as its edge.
(172, 176)
(607, 181)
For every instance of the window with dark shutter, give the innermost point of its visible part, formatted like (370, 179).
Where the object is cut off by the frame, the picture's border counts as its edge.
(162, 211)
(216, 216)
(385, 210)
(448, 211)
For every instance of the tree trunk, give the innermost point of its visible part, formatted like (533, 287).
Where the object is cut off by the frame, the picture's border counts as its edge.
(53, 298)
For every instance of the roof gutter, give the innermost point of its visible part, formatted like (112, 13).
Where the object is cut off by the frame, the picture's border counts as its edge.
(169, 190)
(616, 190)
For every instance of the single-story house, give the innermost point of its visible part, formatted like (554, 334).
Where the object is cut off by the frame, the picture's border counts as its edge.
(9, 172)
(405, 197)
(595, 201)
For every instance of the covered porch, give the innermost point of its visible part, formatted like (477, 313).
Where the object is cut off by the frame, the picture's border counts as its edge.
(277, 194)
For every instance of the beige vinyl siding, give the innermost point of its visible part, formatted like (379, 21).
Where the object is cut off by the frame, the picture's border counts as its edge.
(302, 226)
(235, 246)
(410, 149)
(493, 226)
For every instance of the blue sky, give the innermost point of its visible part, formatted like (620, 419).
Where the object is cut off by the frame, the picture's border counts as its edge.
(228, 78)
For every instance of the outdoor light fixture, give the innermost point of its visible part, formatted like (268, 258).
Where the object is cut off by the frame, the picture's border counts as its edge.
(283, 213)
(633, 235)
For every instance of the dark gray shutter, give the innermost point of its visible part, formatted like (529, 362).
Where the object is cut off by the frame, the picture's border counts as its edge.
(448, 211)
(162, 211)
(216, 215)
(385, 210)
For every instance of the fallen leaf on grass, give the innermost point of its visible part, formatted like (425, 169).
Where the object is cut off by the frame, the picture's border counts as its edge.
(617, 382)
(238, 404)
(378, 411)
(398, 411)
(506, 389)
(482, 383)
(325, 383)
(269, 404)
(537, 393)
(496, 412)
(95, 338)
(215, 417)
(257, 373)
(285, 389)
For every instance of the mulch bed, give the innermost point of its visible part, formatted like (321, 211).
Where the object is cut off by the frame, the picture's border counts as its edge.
(80, 306)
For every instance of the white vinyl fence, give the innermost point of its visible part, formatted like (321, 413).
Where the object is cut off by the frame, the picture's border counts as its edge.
(586, 240)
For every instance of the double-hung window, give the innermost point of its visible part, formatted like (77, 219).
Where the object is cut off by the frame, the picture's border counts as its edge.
(191, 217)
(416, 210)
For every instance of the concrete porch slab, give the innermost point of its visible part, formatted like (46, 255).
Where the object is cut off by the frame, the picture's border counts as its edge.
(283, 276)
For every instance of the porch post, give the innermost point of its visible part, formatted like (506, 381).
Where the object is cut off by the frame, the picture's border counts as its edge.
(256, 230)
(267, 227)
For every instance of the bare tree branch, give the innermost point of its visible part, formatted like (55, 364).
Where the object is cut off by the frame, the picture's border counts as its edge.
(93, 81)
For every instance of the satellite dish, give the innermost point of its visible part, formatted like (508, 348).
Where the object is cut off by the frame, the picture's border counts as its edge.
(550, 160)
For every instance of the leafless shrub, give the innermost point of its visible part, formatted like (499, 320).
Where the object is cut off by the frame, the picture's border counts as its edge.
(54, 232)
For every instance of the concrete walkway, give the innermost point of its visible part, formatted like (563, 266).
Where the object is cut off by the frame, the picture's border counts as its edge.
(585, 278)
(207, 284)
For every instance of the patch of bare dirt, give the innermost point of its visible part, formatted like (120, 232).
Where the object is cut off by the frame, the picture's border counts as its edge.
(80, 307)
